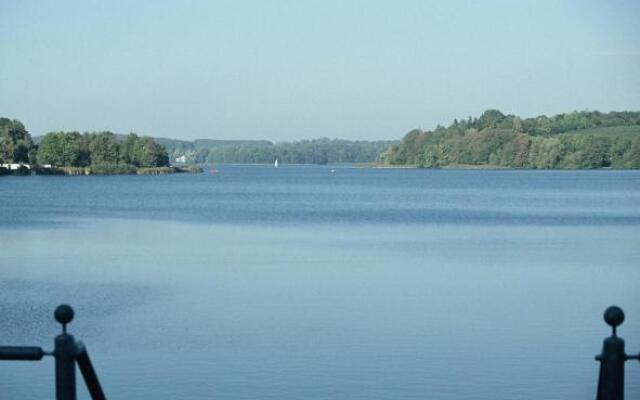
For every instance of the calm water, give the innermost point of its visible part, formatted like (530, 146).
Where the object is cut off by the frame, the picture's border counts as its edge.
(300, 283)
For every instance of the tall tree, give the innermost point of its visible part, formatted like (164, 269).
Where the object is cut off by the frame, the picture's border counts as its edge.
(15, 141)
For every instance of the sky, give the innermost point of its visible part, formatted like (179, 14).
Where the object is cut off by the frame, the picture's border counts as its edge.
(289, 70)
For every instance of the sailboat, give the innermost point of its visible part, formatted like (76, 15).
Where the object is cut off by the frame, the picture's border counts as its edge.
(275, 164)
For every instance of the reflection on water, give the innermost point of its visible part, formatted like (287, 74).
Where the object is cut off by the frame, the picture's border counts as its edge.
(330, 307)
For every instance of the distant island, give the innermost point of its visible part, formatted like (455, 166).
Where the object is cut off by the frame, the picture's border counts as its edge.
(586, 139)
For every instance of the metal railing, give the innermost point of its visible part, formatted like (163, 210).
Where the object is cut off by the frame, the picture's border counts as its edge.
(612, 359)
(67, 352)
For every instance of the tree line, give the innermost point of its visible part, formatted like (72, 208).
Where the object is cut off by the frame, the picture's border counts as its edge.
(574, 140)
(316, 151)
(103, 152)
(16, 145)
(587, 139)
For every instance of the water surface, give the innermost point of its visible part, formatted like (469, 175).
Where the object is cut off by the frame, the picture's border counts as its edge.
(300, 283)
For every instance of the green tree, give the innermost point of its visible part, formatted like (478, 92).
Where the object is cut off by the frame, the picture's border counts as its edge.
(632, 157)
(51, 149)
(63, 149)
(151, 154)
(15, 141)
(490, 119)
(104, 148)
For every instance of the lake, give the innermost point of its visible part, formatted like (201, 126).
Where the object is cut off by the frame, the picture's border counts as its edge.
(303, 283)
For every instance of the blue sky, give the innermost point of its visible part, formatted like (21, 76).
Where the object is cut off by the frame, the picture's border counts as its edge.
(286, 70)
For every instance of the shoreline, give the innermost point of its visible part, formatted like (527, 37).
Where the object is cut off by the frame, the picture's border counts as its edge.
(197, 169)
(116, 170)
(497, 167)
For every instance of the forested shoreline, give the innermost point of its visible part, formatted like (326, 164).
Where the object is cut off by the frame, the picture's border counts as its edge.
(79, 154)
(109, 153)
(102, 152)
(316, 151)
(587, 139)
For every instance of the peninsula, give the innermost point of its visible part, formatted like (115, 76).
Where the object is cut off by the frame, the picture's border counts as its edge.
(72, 153)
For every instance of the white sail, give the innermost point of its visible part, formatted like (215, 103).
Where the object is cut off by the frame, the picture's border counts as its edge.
(275, 164)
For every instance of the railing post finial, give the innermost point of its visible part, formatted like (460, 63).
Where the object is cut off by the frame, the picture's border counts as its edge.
(614, 316)
(612, 358)
(64, 315)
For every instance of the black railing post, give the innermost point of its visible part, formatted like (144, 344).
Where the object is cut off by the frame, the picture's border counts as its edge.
(612, 358)
(64, 353)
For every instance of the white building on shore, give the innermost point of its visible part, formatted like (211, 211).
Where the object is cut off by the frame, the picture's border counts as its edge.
(15, 166)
